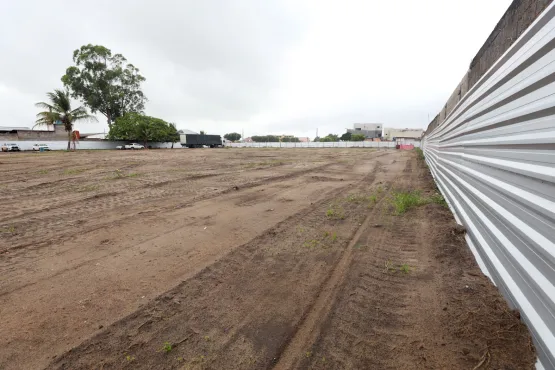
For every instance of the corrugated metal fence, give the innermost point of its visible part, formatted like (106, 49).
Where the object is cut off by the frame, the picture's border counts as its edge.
(494, 160)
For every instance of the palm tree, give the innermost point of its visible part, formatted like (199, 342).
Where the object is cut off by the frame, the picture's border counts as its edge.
(59, 109)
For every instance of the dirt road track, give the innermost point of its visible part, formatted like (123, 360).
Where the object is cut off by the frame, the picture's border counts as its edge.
(291, 263)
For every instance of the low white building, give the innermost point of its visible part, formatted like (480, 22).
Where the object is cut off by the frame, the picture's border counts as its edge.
(392, 133)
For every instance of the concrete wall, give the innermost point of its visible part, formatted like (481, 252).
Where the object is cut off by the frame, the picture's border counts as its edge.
(58, 133)
(518, 17)
(390, 133)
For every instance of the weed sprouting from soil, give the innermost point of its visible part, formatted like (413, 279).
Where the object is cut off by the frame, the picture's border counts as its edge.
(403, 201)
(419, 154)
(8, 230)
(167, 347)
(313, 243)
(389, 266)
(43, 172)
(130, 358)
(335, 212)
(437, 198)
(405, 268)
(73, 171)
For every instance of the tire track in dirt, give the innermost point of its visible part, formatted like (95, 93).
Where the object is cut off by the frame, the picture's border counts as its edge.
(309, 329)
(247, 306)
(93, 205)
(393, 309)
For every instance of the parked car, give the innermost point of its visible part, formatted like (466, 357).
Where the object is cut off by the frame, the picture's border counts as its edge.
(134, 146)
(120, 147)
(10, 147)
(40, 147)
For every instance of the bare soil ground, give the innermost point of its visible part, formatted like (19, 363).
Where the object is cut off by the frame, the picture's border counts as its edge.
(240, 259)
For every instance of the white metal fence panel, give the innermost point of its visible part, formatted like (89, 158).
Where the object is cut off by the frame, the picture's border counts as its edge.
(339, 144)
(494, 160)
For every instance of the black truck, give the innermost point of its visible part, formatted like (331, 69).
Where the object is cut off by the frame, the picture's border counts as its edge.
(198, 141)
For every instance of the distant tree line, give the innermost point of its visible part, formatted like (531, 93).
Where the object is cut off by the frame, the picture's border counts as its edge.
(275, 139)
(345, 137)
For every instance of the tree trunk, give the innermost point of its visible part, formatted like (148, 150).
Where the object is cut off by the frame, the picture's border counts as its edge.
(109, 117)
(68, 140)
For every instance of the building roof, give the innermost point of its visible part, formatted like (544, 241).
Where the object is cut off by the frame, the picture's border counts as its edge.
(13, 128)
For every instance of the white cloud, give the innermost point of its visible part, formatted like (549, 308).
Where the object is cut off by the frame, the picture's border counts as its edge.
(263, 66)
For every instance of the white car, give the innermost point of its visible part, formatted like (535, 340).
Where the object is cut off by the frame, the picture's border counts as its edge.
(134, 146)
(10, 147)
(40, 147)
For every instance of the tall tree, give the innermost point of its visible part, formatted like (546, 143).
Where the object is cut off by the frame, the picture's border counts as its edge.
(233, 136)
(59, 109)
(106, 83)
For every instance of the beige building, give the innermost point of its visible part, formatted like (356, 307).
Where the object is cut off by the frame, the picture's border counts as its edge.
(391, 133)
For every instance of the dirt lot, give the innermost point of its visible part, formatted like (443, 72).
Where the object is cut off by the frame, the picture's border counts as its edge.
(240, 259)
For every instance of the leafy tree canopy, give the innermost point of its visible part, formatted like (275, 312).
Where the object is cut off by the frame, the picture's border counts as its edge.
(106, 83)
(232, 136)
(290, 139)
(141, 128)
(265, 139)
(330, 137)
(358, 137)
(346, 136)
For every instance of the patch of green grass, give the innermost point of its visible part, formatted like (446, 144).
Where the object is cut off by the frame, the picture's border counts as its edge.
(331, 235)
(419, 153)
(43, 172)
(403, 201)
(87, 188)
(9, 230)
(335, 212)
(389, 266)
(167, 347)
(404, 268)
(437, 198)
(73, 171)
(313, 243)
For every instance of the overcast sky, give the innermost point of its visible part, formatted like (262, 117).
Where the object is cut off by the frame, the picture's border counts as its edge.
(262, 66)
